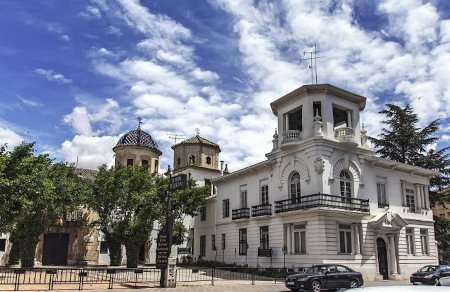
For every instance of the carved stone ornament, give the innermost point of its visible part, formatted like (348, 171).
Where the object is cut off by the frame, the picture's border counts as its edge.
(319, 165)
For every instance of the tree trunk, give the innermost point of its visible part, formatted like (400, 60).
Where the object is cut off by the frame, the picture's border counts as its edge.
(28, 250)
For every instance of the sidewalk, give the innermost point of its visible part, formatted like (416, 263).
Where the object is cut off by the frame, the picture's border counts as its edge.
(223, 286)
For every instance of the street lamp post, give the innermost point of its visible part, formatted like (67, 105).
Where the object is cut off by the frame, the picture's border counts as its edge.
(284, 255)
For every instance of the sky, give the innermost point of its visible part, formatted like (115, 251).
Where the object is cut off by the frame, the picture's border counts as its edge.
(76, 75)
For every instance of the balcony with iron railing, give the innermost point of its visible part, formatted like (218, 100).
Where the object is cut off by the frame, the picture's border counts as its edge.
(322, 200)
(242, 213)
(261, 210)
(291, 137)
(345, 135)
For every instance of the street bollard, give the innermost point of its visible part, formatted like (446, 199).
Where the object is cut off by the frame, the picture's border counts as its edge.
(212, 274)
(253, 277)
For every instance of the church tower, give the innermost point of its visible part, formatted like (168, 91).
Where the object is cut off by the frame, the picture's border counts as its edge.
(137, 147)
(198, 157)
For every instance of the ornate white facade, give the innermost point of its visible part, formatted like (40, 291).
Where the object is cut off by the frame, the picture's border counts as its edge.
(321, 195)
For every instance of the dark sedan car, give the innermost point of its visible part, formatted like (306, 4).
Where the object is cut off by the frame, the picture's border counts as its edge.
(321, 277)
(430, 275)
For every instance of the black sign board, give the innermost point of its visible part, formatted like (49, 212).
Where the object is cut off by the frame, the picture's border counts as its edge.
(177, 182)
(162, 251)
(264, 252)
(184, 250)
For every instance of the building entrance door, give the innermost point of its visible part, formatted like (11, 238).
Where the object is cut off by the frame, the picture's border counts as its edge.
(56, 246)
(382, 258)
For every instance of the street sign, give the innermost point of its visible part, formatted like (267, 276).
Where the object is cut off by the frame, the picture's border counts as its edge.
(184, 250)
(264, 252)
(177, 182)
(162, 251)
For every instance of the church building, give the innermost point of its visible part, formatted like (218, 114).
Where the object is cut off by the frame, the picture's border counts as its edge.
(321, 196)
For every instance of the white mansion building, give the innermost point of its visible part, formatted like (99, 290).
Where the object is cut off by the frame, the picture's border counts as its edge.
(321, 196)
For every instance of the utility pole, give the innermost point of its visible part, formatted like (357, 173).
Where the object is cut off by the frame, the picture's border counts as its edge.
(312, 57)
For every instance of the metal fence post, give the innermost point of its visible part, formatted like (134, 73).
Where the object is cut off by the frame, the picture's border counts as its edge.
(253, 276)
(212, 274)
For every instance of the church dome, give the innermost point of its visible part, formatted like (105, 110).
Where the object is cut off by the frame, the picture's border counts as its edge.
(137, 138)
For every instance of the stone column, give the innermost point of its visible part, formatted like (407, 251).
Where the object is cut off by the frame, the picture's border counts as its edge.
(287, 121)
(419, 197)
(349, 118)
(392, 254)
(289, 236)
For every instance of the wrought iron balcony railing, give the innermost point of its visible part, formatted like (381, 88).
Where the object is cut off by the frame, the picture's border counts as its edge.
(261, 210)
(322, 200)
(241, 213)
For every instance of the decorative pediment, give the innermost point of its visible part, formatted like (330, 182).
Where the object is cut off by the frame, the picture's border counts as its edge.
(347, 164)
(388, 221)
(295, 164)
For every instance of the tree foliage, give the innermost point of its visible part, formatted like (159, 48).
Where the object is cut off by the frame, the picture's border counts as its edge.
(34, 194)
(404, 141)
(126, 201)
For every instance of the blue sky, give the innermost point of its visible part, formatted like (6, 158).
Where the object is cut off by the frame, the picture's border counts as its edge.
(75, 75)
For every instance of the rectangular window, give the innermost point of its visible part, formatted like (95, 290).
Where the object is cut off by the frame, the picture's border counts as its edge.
(223, 241)
(243, 246)
(264, 194)
(103, 247)
(299, 239)
(130, 162)
(213, 242)
(424, 240)
(144, 162)
(409, 240)
(410, 199)
(202, 245)
(203, 213)
(243, 198)
(2, 244)
(226, 208)
(264, 237)
(345, 239)
(381, 193)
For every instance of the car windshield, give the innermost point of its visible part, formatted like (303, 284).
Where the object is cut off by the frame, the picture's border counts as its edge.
(428, 269)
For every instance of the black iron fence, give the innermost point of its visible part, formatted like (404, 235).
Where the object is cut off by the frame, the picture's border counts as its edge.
(322, 200)
(110, 276)
(261, 210)
(240, 213)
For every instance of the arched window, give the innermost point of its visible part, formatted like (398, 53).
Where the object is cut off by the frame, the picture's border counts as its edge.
(345, 185)
(208, 160)
(294, 187)
(192, 159)
(178, 160)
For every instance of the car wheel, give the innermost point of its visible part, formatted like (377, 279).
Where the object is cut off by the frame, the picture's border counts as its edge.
(316, 286)
(353, 284)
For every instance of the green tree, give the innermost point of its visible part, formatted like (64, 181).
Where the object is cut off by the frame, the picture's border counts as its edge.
(126, 201)
(35, 193)
(404, 141)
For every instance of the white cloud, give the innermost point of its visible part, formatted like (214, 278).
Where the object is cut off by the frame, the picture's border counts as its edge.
(53, 76)
(89, 152)
(10, 138)
(79, 120)
(113, 30)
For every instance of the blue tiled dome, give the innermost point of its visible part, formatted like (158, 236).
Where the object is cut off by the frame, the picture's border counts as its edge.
(137, 138)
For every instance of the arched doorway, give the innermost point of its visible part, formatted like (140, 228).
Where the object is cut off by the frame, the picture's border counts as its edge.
(382, 258)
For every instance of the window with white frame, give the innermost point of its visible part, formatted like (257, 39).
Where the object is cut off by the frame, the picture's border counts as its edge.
(226, 208)
(299, 236)
(410, 199)
(424, 241)
(243, 191)
(345, 239)
(345, 183)
(202, 245)
(410, 240)
(243, 246)
(264, 237)
(213, 242)
(264, 188)
(294, 186)
(223, 241)
(381, 192)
